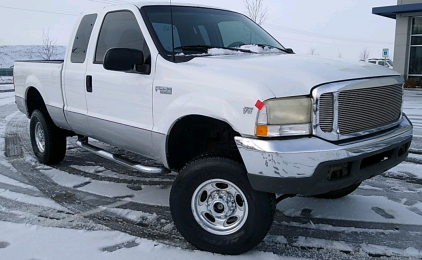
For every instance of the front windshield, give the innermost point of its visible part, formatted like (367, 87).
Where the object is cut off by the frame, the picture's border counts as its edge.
(202, 27)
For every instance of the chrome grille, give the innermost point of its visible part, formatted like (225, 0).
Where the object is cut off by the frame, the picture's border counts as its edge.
(368, 108)
(326, 112)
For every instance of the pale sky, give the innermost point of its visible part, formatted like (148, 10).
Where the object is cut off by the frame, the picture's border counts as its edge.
(331, 27)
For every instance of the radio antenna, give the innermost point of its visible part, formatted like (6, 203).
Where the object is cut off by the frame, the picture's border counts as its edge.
(172, 32)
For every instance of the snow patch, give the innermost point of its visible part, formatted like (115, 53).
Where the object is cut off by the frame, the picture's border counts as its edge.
(152, 195)
(88, 169)
(388, 251)
(36, 242)
(406, 169)
(218, 51)
(135, 216)
(352, 207)
(322, 243)
(38, 201)
(327, 227)
(259, 49)
(368, 187)
(10, 181)
(65, 179)
(276, 239)
(9, 99)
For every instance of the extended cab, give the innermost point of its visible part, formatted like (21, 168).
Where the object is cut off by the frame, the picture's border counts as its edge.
(211, 95)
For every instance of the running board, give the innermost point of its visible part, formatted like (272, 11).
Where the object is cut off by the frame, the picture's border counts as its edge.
(120, 160)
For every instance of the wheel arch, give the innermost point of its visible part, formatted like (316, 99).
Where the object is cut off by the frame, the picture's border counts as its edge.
(195, 135)
(34, 100)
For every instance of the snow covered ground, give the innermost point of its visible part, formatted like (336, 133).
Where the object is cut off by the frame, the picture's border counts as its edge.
(89, 208)
(10, 53)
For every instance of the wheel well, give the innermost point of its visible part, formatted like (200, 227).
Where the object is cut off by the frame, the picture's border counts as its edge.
(34, 101)
(195, 135)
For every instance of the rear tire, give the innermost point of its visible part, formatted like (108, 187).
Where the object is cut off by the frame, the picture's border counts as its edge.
(215, 208)
(336, 194)
(47, 140)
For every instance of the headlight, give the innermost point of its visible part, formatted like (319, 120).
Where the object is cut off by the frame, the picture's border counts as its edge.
(284, 117)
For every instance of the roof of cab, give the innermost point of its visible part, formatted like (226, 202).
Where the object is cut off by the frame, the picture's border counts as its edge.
(141, 4)
(149, 3)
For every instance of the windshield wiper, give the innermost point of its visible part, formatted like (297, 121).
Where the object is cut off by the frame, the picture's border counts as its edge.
(263, 45)
(205, 48)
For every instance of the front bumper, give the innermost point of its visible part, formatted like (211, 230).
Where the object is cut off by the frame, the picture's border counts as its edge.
(305, 165)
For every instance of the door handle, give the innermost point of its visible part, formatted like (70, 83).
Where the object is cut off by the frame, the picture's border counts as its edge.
(89, 83)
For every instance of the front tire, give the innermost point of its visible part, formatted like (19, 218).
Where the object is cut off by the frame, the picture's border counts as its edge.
(47, 140)
(215, 208)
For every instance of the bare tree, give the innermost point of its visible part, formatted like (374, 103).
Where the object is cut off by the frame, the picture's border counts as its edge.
(340, 55)
(312, 51)
(364, 54)
(256, 10)
(48, 48)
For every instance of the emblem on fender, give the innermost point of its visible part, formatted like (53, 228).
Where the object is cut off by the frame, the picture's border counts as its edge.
(247, 110)
(164, 90)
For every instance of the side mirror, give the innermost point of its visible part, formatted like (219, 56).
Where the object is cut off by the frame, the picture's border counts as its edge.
(123, 59)
(289, 50)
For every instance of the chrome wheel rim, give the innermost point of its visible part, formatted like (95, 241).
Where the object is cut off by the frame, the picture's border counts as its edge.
(40, 137)
(219, 207)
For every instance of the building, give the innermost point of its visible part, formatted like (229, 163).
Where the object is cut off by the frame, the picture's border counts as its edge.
(408, 41)
(7, 72)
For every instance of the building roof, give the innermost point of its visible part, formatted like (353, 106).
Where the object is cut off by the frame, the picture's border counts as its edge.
(392, 11)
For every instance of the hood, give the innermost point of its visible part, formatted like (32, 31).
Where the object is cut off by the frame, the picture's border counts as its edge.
(287, 74)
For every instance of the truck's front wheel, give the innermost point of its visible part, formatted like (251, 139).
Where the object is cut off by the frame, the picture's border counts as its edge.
(47, 140)
(215, 208)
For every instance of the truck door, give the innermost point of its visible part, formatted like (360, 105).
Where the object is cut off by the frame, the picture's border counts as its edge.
(74, 71)
(120, 103)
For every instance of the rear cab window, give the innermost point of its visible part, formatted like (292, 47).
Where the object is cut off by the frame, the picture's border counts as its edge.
(83, 34)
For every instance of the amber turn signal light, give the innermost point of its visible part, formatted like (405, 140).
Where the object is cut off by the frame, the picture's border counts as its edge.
(261, 130)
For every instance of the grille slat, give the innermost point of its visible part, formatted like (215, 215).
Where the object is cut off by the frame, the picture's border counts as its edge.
(361, 109)
(326, 113)
(369, 108)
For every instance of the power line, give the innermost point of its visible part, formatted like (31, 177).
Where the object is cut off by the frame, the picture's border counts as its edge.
(319, 35)
(38, 11)
(326, 43)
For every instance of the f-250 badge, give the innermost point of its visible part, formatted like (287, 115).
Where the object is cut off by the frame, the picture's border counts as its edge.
(164, 90)
(247, 110)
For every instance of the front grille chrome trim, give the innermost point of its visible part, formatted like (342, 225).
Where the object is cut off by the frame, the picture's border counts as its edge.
(320, 126)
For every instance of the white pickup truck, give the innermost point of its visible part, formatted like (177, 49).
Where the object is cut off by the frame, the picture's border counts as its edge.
(209, 94)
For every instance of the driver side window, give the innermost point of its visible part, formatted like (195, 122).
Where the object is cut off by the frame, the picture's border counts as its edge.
(121, 30)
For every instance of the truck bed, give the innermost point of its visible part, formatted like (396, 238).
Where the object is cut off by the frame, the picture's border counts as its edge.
(41, 61)
(46, 76)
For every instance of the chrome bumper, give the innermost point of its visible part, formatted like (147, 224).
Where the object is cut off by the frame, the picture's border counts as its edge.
(275, 162)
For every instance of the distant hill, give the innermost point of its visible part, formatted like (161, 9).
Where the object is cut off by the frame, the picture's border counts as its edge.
(10, 53)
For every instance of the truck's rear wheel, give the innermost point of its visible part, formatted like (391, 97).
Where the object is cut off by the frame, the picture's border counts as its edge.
(215, 208)
(336, 194)
(47, 140)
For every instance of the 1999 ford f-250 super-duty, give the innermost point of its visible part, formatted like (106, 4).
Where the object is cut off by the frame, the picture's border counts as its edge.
(211, 95)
